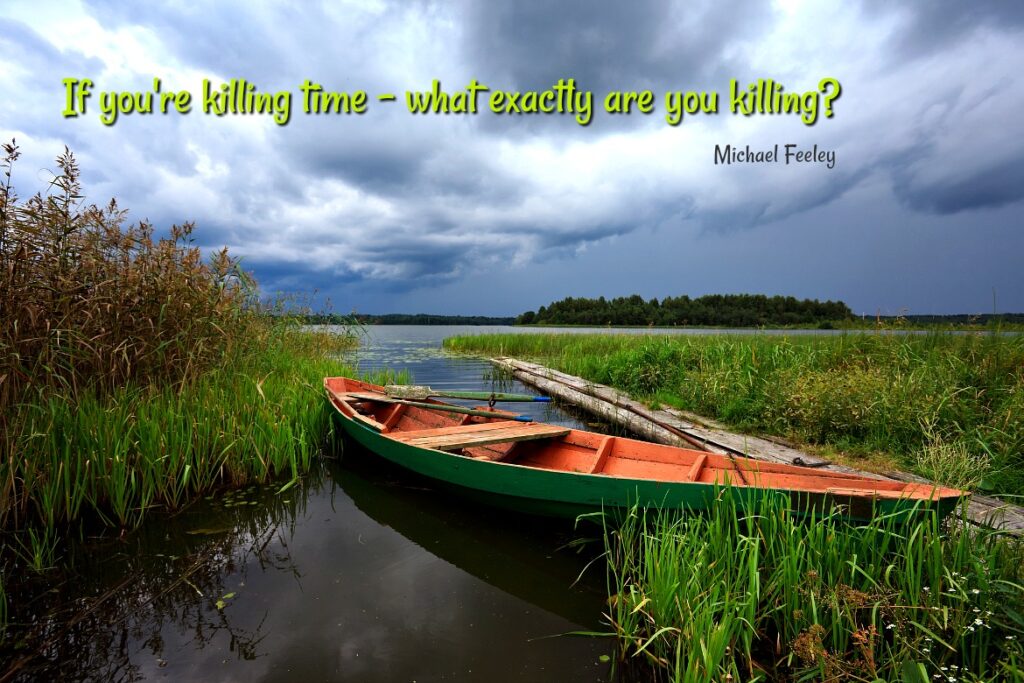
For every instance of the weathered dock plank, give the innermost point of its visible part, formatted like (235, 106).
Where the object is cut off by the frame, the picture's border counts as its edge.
(681, 428)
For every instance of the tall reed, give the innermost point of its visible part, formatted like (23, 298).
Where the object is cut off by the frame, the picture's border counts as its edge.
(764, 595)
(90, 302)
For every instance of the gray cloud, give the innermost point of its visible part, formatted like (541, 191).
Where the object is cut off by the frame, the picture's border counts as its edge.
(994, 185)
(608, 45)
(933, 26)
(37, 63)
(391, 206)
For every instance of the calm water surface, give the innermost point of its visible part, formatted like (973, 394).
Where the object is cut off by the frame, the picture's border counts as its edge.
(361, 573)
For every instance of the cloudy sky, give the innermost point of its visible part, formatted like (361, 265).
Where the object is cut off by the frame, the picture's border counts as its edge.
(487, 214)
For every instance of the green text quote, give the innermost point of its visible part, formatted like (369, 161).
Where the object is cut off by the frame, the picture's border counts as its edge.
(565, 98)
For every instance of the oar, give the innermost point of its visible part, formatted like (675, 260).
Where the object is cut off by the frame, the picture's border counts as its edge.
(442, 407)
(420, 393)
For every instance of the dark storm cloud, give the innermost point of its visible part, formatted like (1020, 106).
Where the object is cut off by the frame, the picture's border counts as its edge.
(931, 27)
(609, 45)
(428, 160)
(992, 186)
(420, 260)
(605, 46)
(283, 276)
(746, 215)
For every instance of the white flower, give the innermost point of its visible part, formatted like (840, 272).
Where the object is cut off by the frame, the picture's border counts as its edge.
(978, 622)
(976, 591)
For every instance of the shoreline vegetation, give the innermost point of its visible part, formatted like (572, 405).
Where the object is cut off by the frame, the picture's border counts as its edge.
(776, 598)
(949, 407)
(135, 375)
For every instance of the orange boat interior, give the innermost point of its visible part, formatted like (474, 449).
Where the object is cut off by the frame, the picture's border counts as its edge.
(550, 447)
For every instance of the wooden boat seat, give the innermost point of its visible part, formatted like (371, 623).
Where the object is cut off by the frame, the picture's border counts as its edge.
(463, 436)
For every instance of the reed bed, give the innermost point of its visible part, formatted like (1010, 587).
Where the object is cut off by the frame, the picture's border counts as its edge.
(90, 302)
(925, 400)
(766, 595)
(135, 373)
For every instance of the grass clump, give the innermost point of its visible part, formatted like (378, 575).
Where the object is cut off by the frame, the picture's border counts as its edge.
(748, 596)
(952, 464)
(860, 392)
(135, 373)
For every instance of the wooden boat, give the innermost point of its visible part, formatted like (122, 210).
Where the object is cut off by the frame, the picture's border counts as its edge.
(548, 469)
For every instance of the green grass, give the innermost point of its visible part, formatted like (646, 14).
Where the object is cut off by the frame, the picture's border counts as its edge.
(114, 456)
(860, 393)
(740, 596)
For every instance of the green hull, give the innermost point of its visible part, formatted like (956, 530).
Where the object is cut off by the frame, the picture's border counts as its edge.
(539, 491)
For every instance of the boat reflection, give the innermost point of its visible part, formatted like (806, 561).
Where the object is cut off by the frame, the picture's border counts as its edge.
(543, 561)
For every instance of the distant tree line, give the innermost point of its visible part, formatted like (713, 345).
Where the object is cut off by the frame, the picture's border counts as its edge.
(730, 310)
(727, 310)
(405, 319)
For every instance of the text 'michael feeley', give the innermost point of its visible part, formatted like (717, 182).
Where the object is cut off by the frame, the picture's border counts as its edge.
(789, 153)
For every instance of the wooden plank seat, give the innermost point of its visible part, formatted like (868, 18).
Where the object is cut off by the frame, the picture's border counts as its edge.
(463, 436)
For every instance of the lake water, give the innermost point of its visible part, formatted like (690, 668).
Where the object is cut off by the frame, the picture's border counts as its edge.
(361, 573)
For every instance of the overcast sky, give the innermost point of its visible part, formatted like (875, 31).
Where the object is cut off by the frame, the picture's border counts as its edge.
(486, 214)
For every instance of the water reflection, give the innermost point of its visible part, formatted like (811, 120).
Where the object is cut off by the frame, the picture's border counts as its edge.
(360, 573)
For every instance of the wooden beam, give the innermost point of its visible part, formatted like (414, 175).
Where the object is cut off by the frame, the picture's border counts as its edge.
(394, 417)
(603, 451)
(698, 465)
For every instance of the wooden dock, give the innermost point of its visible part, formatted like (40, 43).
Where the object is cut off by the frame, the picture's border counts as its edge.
(680, 428)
